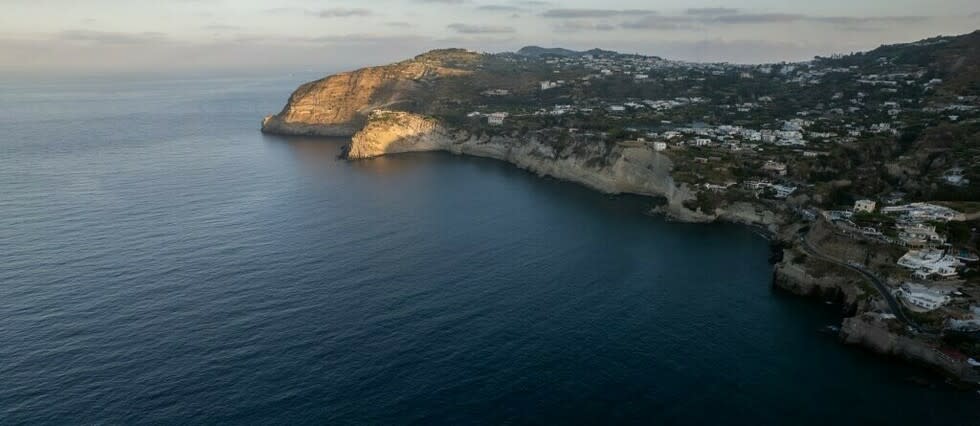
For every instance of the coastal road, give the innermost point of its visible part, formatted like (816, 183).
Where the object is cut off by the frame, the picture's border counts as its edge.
(893, 304)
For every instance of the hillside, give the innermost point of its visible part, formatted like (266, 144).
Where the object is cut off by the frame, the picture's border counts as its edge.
(899, 118)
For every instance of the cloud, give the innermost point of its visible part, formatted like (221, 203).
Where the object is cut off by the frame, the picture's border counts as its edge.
(399, 24)
(657, 22)
(849, 23)
(711, 11)
(104, 37)
(757, 18)
(285, 10)
(480, 29)
(513, 6)
(340, 12)
(850, 20)
(120, 52)
(708, 17)
(593, 13)
(221, 27)
(582, 26)
(359, 39)
(501, 8)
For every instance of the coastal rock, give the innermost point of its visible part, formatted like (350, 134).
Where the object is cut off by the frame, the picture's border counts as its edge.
(751, 214)
(391, 132)
(878, 333)
(620, 168)
(814, 278)
(390, 109)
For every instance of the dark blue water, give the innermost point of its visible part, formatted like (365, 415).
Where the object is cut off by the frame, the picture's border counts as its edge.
(162, 261)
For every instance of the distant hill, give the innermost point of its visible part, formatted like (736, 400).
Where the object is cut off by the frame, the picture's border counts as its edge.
(538, 51)
(953, 59)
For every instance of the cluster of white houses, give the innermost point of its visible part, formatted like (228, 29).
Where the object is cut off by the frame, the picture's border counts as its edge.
(929, 260)
(778, 190)
(493, 118)
(914, 228)
(930, 264)
(924, 212)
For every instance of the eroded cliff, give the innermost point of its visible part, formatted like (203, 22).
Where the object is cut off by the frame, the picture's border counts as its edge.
(338, 105)
(877, 333)
(615, 168)
(804, 276)
(394, 109)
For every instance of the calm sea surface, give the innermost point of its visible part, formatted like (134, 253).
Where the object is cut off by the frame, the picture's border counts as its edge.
(161, 261)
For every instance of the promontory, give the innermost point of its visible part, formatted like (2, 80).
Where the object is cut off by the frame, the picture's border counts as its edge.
(863, 169)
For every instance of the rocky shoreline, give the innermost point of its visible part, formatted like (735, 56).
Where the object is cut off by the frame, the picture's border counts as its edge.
(635, 168)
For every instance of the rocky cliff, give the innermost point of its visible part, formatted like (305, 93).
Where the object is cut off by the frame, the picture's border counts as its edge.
(814, 278)
(339, 104)
(875, 332)
(631, 167)
(393, 109)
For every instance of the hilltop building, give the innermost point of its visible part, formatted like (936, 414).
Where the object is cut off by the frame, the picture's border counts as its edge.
(496, 119)
(867, 206)
(920, 296)
(929, 263)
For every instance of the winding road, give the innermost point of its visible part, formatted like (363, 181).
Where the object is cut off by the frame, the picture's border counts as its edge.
(893, 304)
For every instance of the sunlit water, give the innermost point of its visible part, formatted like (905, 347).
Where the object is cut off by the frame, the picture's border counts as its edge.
(162, 261)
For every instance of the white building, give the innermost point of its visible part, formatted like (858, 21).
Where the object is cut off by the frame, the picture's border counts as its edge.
(867, 206)
(496, 119)
(547, 85)
(923, 297)
(871, 231)
(660, 146)
(955, 177)
(919, 235)
(833, 215)
(930, 263)
(783, 191)
(495, 92)
(925, 212)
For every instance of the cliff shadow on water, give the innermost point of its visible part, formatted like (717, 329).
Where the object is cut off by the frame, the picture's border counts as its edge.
(319, 151)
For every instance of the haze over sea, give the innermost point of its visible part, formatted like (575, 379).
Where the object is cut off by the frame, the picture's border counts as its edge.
(161, 261)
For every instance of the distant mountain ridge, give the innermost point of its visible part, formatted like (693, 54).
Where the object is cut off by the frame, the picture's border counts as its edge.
(538, 51)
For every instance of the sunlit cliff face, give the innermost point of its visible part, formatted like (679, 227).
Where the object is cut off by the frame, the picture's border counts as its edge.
(339, 105)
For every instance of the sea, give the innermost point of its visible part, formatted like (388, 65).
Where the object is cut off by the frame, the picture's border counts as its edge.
(164, 262)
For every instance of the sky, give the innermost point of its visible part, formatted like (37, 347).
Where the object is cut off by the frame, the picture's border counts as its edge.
(314, 35)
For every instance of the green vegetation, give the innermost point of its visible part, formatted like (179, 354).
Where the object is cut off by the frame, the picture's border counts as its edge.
(869, 124)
